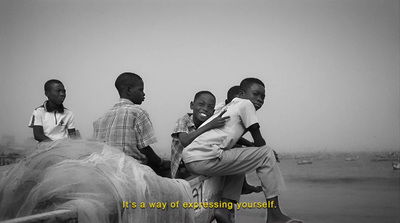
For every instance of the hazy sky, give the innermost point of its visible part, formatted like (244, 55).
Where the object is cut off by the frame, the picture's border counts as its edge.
(331, 67)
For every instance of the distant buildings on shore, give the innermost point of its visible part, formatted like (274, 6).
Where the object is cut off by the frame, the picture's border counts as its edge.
(9, 158)
(11, 152)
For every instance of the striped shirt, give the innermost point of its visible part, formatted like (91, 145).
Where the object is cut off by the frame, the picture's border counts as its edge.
(127, 127)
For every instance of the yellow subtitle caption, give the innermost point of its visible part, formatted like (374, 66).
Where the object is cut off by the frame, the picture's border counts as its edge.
(197, 205)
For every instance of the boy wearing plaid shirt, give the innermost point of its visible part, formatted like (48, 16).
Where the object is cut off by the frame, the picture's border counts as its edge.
(187, 128)
(127, 126)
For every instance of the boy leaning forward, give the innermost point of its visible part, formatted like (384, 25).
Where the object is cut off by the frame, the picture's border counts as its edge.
(211, 153)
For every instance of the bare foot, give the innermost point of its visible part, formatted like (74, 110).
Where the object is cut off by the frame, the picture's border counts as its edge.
(248, 189)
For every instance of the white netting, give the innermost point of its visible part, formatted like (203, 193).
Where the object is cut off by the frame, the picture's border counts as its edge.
(93, 179)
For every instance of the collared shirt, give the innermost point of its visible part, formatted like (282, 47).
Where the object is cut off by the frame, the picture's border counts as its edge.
(127, 127)
(55, 122)
(210, 144)
(186, 125)
(219, 106)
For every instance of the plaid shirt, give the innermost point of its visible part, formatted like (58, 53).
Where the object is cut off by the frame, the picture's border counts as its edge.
(126, 126)
(184, 124)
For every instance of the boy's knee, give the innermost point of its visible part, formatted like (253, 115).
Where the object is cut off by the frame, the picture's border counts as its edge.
(267, 151)
(267, 148)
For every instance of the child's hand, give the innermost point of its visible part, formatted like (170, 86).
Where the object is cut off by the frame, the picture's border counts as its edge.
(165, 165)
(218, 121)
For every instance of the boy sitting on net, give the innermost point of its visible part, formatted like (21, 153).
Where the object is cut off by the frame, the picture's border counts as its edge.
(52, 121)
(211, 153)
(187, 129)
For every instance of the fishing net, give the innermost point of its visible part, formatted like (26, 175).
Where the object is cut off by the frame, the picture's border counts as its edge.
(97, 181)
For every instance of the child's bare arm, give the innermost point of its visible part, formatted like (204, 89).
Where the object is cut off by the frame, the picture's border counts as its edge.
(71, 133)
(153, 159)
(244, 142)
(187, 138)
(39, 135)
(256, 134)
(258, 139)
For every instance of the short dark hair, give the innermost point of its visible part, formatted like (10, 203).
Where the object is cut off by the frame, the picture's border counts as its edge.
(50, 82)
(197, 95)
(126, 79)
(247, 82)
(232, 93)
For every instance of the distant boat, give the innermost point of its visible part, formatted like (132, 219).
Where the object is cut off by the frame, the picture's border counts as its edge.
(304, 161)
(396, 165)
(351, 158)
(303, 157)
(393, 156)
(377, 159)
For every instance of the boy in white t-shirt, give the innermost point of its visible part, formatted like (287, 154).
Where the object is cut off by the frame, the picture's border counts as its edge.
(187, 129)
(211, 153)
(52, 121)
(233, 92)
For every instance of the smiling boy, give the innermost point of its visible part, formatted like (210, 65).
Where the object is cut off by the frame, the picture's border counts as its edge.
(187, 127)
(211, 153)
(52, 121)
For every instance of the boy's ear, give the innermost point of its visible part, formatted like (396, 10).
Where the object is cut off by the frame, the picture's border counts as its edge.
(127, 90)
(241, 93)
(46, 93)
(191, 105)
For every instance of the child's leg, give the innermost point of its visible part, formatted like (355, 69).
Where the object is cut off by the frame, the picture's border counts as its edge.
(245, 160)
(248, 189)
